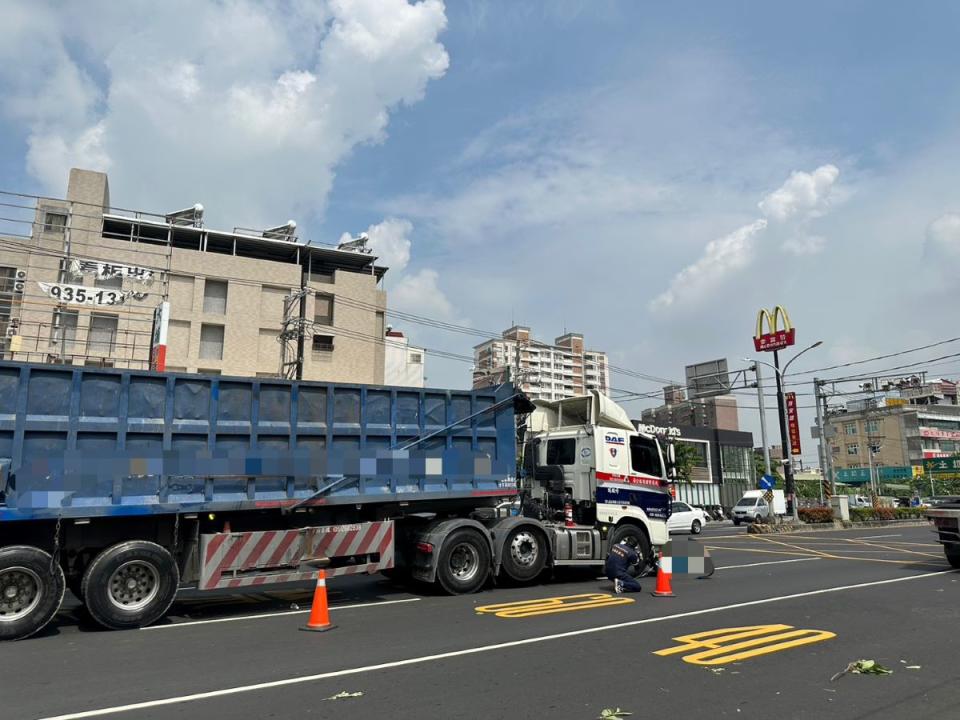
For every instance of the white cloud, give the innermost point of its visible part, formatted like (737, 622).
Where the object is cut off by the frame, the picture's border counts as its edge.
(721, 257)
(804, 244)
(943, 238)
(260, 101)
(420, 293)
(390, 241)
(804, 194)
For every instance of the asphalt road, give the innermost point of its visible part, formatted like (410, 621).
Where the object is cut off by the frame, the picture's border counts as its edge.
(884, 594)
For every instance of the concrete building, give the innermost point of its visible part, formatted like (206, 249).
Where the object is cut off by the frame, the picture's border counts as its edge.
(403, 363)
(88, 278)
(903, 427)
(723, 469)
(719, 412)
(548, 372)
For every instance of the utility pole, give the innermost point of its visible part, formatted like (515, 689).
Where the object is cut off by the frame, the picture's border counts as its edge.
(826, 469)
(763, 420)
(785, 438)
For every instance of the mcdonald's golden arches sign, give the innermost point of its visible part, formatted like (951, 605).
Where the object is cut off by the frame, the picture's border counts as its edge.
(776, 338)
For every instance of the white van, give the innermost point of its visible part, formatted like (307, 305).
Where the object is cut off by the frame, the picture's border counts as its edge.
(753, 508)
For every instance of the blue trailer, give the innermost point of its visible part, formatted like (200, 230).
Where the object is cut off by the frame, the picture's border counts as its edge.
(126, 486)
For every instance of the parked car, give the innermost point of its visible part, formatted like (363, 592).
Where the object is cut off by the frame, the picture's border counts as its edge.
(684, 518)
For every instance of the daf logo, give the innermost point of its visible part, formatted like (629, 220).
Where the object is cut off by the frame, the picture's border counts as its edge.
(613, 439)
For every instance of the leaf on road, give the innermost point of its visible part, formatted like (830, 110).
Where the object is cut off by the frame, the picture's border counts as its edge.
(913, 667)
(862, 667)
(343, 695)
(608, 713)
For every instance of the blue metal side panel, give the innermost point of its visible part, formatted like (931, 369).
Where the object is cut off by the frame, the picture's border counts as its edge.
(82, 442)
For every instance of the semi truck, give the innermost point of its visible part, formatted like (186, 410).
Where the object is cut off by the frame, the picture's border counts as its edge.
(127, 486)
(946, 523)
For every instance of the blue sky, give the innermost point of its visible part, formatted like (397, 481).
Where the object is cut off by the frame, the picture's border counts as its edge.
(649, 174)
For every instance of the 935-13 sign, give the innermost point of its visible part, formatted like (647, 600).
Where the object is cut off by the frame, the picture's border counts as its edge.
(80, 295)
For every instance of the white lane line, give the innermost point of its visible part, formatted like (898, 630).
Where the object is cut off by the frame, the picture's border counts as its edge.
(261, 616)
(876, 537)
(771, 562)
(470, 651)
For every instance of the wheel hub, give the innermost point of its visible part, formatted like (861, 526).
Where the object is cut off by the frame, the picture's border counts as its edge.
(133, 585)
(524, 549)
(464, 561)
(21, 593)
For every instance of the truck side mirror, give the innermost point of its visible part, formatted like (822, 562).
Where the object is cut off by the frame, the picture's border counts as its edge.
(671, 461)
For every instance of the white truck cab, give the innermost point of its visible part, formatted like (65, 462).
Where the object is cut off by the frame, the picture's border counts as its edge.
(586, 451)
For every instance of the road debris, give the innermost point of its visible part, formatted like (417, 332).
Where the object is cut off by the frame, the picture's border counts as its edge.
(343, 695)
(862, 667)
(608, 713)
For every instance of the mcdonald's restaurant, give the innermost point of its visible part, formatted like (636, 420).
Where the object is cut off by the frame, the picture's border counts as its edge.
(723, 467)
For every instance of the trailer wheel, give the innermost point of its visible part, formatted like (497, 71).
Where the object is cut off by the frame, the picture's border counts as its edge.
(464, 562)
(524, 554)
(643, 545)
(30, 591)
(130, 585)
(953, 555)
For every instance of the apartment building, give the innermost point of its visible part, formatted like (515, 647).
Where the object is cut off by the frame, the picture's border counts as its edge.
(719, 412)
(548, 372)
(80, 284)
(901, 428)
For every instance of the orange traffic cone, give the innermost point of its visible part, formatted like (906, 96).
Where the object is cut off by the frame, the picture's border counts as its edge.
(319, 613)
(664, 573)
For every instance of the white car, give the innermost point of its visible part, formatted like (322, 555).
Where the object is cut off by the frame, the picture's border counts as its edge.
(684, 518)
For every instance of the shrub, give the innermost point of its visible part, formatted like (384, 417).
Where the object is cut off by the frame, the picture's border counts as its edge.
(815, 515)
(884, 513)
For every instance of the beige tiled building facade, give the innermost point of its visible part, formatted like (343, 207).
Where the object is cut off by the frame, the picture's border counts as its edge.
(546, 372)
(226, 291)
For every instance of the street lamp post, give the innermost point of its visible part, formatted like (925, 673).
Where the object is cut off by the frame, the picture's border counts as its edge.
(781, 408)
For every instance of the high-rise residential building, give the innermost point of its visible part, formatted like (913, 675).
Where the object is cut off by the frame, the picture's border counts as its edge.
(548, 372)
(80, 281)
(403, 363)
(718, 412)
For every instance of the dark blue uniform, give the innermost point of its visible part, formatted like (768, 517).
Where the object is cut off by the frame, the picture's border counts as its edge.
(621, 557)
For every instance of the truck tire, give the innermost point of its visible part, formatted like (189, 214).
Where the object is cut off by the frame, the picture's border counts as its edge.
(130, 585)
(31, 590)
(953, 555)
(643, 545)
(464, 562)
(524, 554)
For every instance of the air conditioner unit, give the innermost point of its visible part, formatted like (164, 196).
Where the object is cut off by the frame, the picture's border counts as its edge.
(21, 274)
(18, 286)
(11, 331)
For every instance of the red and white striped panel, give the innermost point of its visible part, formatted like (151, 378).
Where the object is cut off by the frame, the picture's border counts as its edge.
(233, 560)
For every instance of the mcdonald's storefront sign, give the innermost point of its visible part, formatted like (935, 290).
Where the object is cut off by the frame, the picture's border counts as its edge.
(776, 338)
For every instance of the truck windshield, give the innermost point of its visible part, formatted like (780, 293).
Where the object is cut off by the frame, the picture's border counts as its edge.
(644, 456)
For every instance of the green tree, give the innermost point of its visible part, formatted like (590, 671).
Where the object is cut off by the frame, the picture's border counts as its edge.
(688, 457)
(760, 470)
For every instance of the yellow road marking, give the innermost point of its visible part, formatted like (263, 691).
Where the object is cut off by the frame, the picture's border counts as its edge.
(894, 549)
(758, 550)
(548, 606)
(726, 645)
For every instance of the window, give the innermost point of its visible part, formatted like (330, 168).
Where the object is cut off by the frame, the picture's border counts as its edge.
(211, 342)
(416, 358)
(6, 279)
(323, 343)
(853, 449)
(679, 507)
(102, 335)
(67, 335)
(835, 449)
(54, 222)
(644, 457)
(207, 371)
(114, 282)
(873, 427)
(323, 310)
(562, 452)
(850, 428)
(215, 297)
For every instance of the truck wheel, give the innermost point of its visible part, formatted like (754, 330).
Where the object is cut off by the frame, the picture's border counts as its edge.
(30, 591)
(464, 562)
(953, 555)
(130, 585)
(643, 546)
(524, 554)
